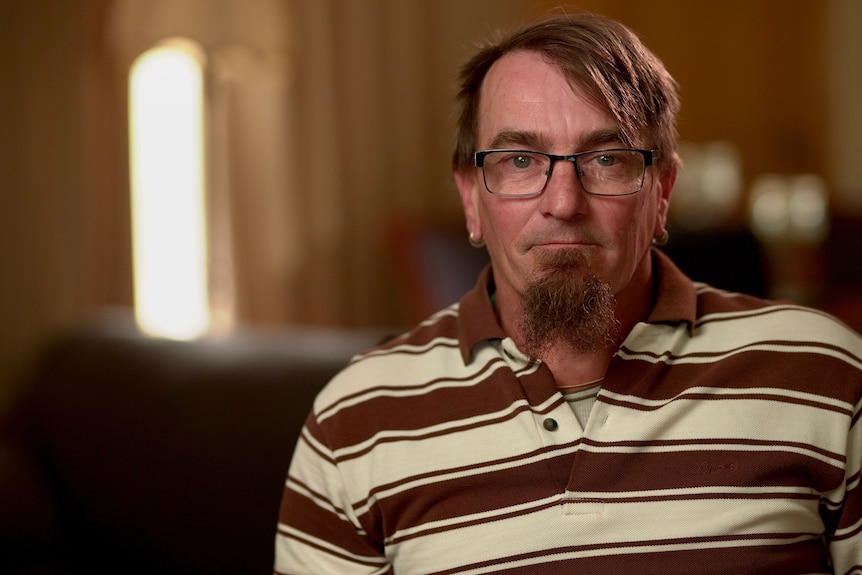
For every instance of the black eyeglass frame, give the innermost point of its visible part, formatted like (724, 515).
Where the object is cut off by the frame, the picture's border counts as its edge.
(648, 156)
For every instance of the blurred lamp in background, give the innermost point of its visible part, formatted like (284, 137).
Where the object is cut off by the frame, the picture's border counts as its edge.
(709, 186)
(790, 216)
(789, 209)
(166, 115)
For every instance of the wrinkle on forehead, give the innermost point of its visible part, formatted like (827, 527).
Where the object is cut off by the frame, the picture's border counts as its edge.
(527, 101)
(530, 140)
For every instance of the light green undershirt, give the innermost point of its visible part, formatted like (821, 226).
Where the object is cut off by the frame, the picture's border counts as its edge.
(581, 401)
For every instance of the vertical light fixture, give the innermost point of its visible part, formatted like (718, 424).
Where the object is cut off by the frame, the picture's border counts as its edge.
(166, 115)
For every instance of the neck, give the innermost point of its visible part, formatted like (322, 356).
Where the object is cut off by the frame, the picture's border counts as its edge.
(574, 370)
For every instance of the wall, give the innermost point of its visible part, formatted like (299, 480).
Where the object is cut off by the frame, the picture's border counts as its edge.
(844, 121)
(43, 222)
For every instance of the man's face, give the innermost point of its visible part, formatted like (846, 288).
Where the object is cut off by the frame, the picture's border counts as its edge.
(527, 103)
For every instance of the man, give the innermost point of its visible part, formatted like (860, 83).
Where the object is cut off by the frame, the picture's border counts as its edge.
(586, 408)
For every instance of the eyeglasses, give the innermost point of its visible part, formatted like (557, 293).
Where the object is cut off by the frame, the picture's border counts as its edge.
(523, 174)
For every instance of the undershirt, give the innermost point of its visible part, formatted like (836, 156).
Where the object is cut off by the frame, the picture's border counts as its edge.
(581, 401)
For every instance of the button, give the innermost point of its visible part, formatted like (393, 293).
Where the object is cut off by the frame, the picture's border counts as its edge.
(550, 424)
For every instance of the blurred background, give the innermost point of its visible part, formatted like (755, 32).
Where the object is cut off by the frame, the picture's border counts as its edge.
(328, 143)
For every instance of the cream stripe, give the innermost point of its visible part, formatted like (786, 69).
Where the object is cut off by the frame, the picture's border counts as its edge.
(685, 492)
(484, 517)
(724, 332)
(305, 538)
(727, 392)
(634, 549)
(589, 528)
(394, 461)
(481, 470)
(451, 311)
(441, 429)
(772, 418)
(409, 348)
(849, 529)
(707, 447)
(689, 356)
(394, 371)
(320, 502)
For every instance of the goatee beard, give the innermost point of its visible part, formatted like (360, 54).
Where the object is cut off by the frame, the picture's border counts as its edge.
(564, 304)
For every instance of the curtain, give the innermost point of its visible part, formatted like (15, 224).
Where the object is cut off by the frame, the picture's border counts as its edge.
(330, 121)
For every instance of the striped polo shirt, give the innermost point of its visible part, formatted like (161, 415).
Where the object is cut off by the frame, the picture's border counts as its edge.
(725, 439)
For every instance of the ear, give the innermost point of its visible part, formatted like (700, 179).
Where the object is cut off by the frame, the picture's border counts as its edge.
(666, 181)
(468, 188)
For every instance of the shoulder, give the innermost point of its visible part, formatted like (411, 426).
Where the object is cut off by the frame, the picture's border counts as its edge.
(428, 351)
(743, 342)
(740, 316)
(415, 381)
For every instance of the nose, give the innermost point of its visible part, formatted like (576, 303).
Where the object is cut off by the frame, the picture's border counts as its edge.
(564, 197)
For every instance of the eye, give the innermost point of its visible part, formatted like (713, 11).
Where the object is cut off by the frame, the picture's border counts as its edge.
(522, 161)
(515, 163)
(606, 160)
(611, 161)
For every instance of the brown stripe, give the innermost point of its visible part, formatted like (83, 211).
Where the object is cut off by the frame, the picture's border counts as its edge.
(475, 490)
(498, 393)
(305, 515)
(804, 557)
(814, 374)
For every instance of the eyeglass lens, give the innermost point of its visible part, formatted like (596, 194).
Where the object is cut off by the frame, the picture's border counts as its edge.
(604, 172)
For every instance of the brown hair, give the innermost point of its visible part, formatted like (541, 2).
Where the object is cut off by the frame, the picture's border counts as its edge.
(599, 55)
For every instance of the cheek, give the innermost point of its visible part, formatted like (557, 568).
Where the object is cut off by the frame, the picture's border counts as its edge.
(493, 216)
(660, 202)
(649, 216)
(503, 225)
(635, 226)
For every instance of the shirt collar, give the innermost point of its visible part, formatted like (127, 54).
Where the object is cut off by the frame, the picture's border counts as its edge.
(477, 321)
(675, 302)
(676, 298)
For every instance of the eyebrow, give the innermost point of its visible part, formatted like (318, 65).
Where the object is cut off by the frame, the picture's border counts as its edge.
(601, 137)
(536, 141)
(518, 138)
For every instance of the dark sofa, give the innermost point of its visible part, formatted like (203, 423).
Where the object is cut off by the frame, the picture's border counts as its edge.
(126, 454)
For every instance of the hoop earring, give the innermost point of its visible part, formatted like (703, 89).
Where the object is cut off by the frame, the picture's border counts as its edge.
(662, 239)
(476, 243)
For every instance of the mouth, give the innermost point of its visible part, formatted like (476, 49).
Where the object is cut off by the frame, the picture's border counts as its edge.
(562, 245)
(550, 242)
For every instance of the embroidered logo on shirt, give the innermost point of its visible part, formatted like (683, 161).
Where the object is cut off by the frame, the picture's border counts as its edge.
(712, 467)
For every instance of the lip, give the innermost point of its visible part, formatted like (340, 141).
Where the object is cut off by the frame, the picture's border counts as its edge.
(562, 245)
(558, 240)
(559, 246)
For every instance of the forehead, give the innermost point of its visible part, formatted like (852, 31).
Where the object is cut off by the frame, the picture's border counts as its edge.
(525, 93)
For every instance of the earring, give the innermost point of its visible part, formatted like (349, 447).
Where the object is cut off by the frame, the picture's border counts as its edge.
(662, 239)
(476, 243)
